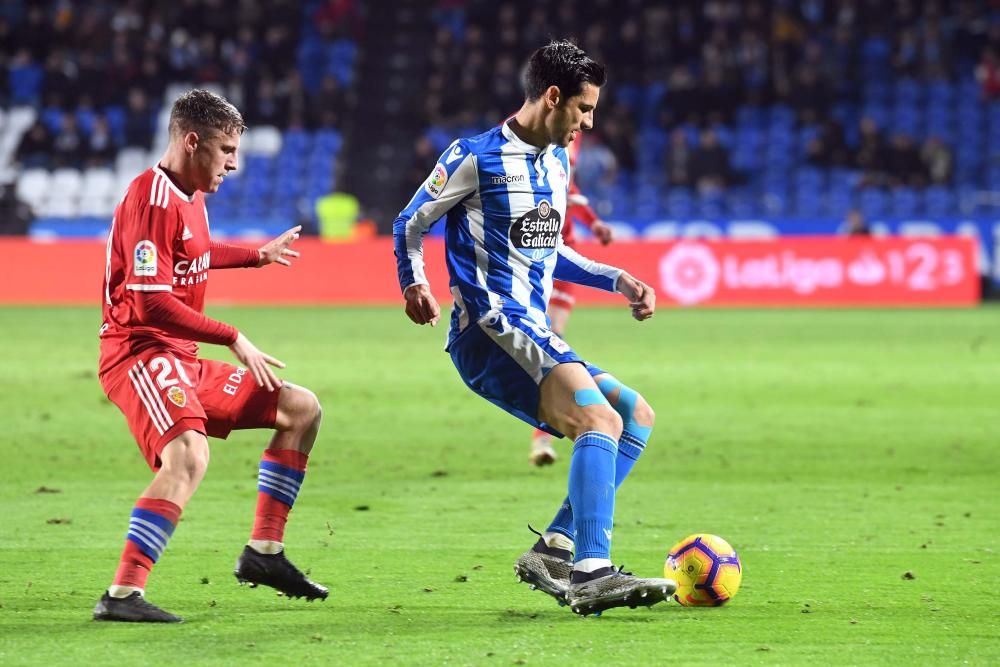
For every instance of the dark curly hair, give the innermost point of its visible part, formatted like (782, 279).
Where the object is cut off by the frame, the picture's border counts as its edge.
(562, 64)
(202, 111)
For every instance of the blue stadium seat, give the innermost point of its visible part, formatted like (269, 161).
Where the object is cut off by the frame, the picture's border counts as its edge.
(843, 178)
(906, 202)
(330, 140)
(85, 120)
(968, 155)
(941, 92)
(284, 208)
(746, 159)
(712, 205)
(775, 200)
(726, 136)
(679, 203)
(877, 112)
(51, 117)
(652, 100)
(873, 203)
(909, 92)
(877, 92)
(940, 201)
(742, 205)
(810, 177)
(24, 83)
(782, 116)
(629, 94)
(116, 121)
(750, 139)
(647, 202)
(838, 202)
(751, 118)
(296, 141)
(875, 51)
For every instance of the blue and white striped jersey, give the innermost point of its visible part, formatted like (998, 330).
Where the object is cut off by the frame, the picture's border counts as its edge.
(505, 202)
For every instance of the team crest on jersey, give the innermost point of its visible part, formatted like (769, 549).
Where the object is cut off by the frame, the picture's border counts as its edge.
(177, 396)
(536, 233)
(436, 181)
(144, 259)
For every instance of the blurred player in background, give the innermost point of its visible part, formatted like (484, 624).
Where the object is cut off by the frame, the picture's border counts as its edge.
(505, 196)
(158, 259)
(561, 302)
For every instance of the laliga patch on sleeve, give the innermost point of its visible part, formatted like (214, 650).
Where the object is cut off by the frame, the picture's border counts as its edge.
(144, 259)
(436, 181)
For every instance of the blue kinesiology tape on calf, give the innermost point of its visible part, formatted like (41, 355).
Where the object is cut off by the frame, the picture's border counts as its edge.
(585, 397)
(627, 398)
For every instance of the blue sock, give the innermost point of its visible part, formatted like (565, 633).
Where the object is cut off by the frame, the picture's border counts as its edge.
(592, 493)
(630, 447)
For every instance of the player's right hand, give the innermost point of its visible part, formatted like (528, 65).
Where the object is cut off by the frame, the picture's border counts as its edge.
(257, 362)
(421, 306)
(641, 297)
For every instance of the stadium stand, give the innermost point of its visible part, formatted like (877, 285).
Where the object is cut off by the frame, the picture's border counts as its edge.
(86, 87)
(818, 107)
(717, 108)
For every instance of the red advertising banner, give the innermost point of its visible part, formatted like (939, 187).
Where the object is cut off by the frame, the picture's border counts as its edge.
(791, 271)
(820, 272)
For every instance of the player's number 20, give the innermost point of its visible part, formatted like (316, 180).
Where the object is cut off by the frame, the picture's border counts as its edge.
(162, 367)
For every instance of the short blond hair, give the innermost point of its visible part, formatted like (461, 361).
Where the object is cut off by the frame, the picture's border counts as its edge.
(202, 111)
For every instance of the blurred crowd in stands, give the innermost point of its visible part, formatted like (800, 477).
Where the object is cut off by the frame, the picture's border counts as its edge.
(713, 108)
(98, 69)
(705, 59)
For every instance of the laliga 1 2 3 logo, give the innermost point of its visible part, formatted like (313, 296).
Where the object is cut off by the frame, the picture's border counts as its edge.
(144, 259)
(689, 273)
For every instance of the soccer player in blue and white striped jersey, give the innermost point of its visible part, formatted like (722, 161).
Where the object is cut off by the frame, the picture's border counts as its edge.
(504, 194)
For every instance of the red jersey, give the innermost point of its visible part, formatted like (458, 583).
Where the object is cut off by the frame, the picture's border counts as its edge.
(159, 243)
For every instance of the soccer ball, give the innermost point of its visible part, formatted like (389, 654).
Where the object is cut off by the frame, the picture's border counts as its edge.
(707, 570)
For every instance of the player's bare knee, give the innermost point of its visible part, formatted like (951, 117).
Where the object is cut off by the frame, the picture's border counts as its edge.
(603, 419)
(188, 459)
(298, 410)
(643, 414)
(314, 411)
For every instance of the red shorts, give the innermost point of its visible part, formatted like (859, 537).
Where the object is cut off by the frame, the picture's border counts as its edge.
(162, 396)
(562, 295)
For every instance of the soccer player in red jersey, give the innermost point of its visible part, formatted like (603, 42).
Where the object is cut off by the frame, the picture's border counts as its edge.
(578, 209)
(159, 255)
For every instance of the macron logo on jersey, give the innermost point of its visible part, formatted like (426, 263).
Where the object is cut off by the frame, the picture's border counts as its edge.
(144, 259)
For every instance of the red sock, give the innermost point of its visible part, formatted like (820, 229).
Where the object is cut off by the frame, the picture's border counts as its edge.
(539, 433)
(150, 527)
(281, 474)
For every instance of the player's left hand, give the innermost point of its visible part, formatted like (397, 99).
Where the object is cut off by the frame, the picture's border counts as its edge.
(277, 250)
(602, 231)
(641, 297)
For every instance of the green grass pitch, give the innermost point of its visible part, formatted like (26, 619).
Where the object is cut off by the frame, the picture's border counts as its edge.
(836, 450)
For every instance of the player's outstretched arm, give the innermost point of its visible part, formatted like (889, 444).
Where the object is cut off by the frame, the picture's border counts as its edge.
(258, 363)
(641, 297)
(277, 251)
(421, 306)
